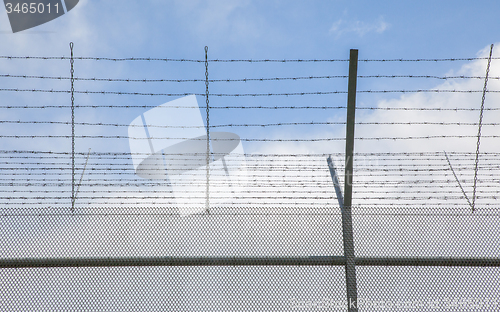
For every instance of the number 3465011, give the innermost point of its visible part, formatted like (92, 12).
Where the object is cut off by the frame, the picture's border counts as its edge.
(32, 8)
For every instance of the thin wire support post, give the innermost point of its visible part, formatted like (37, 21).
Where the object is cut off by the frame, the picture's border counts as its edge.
(479, 130)
(336, 183)
(350, 267)
(207, 194)
(72, 61)
(458, 181)
(81, 178)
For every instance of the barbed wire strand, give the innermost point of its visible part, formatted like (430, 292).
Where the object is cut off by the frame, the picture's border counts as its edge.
(239, 79)
(238, 60)
(456, 109)
(244, 94)
(278, 124)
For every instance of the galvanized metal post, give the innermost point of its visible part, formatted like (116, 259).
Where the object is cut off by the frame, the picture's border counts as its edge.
(350, 267)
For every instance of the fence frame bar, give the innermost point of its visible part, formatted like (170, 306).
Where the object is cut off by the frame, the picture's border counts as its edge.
(245, 261)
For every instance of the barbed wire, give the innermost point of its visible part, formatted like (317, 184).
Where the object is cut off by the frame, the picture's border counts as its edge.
(256, 165)
(9, 200)
(239, 60)
(421, 187)
(241, 79)
(98, 92)
(456, 109)
(290, 205)
(271, 194)
(262, 166)
(104, 79)
(249, 125)
(98, 58)
(426, 137)
(291, 156)
(263, 159)
(409, 123)
(271, 188)
(244, 94)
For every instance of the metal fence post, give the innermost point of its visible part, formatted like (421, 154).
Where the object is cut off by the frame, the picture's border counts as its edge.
(350, 267)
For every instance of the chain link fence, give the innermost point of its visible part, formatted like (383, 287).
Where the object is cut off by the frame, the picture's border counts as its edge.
(113, 207)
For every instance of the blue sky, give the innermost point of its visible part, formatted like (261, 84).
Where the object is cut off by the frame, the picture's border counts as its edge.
(265, 29)
(244, 29)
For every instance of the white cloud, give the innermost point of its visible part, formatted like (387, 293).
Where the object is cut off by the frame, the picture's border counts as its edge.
(221, 19)
(360, 28)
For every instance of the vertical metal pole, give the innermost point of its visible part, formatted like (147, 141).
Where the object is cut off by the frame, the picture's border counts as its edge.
(207, 194)
(350, 268)
(72, 129)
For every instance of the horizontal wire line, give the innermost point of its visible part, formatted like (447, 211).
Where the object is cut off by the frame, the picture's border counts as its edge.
(251, 182)
(260, 166)
(97, 58)
(326, 193)
(251, 125)
(247, 139)
(237, 60)
(248, 107)
(274, 197)
(254, 178)
(247, 94)
(289, 157)
(239, 79)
